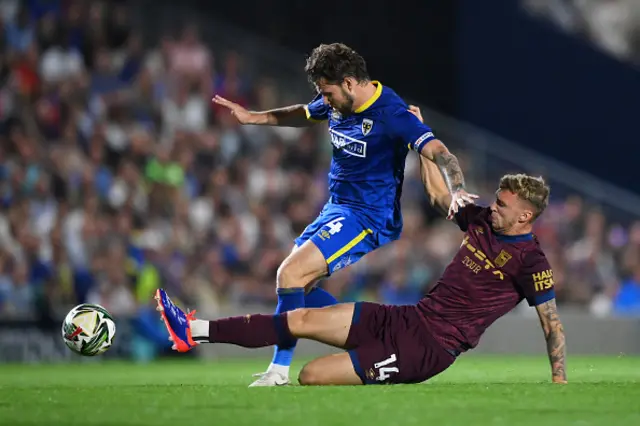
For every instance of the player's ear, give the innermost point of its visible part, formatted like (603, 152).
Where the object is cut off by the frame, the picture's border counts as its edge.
(349, 83)
(526, 216)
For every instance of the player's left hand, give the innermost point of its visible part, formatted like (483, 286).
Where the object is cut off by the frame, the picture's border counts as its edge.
(459, 199)
(239, 112)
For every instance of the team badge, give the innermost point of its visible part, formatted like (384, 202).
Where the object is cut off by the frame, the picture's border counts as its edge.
(502, 258)
(336, 115)
(367, 125)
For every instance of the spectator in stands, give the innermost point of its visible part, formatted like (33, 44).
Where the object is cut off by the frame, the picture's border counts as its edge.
(116, 177)
(627, 301)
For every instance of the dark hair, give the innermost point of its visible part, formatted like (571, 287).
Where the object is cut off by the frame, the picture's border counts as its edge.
(335, 62)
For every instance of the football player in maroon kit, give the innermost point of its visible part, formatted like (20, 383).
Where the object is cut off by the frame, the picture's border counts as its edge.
(499, 264)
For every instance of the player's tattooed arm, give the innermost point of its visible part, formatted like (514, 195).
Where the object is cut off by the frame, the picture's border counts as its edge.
(437, 152)
(290, 116)
(442, 176)
(447, 163)
(435, 186)
(554, 335)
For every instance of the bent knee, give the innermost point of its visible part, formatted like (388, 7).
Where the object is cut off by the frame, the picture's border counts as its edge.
(302, 268)
(288, 276)
(310, 376)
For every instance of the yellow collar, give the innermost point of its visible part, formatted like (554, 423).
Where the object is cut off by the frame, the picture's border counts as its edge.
(372, 99)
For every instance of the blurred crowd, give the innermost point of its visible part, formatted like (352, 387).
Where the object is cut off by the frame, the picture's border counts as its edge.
(117, 176)
(612, 25)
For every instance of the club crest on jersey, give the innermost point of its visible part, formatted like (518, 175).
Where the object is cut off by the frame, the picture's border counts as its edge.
(367, 125)
(502, 259)
(336, 115)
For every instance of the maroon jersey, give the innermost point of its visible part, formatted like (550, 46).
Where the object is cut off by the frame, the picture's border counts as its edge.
(488, 277)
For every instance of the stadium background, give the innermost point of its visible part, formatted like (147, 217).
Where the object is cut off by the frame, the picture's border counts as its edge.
(117, 176)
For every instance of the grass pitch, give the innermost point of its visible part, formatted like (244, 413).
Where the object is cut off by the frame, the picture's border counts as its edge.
(476, 390)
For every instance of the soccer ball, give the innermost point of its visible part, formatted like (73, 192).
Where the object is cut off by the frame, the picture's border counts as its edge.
(88, 329)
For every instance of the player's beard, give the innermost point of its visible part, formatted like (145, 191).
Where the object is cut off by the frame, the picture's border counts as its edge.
(497, 222)
(500, 224)
(346, 108)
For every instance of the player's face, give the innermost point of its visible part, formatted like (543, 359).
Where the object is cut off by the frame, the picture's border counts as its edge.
(506, 211)
(337, 96)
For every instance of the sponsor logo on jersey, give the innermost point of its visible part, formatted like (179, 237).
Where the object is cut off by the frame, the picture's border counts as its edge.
(543, 280)
(348, 144)
(476, 266)
(367, 125)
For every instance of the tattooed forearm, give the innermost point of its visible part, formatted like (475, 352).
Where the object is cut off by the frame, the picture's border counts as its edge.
(556, 351)
(554, 334)
(435, 186)
(450, 169)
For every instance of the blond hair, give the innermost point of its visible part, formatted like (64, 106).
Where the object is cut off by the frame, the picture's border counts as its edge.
(528, 188)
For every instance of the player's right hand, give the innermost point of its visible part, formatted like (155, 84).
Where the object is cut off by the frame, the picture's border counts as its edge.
(239, 112)
(460, 199)
(416, 111)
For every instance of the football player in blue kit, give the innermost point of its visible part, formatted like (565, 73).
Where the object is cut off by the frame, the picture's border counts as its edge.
(372, 131)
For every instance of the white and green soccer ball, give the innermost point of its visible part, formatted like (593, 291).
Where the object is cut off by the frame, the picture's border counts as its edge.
(88, 329)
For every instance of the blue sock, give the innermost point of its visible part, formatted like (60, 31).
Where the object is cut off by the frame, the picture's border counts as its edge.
(288, 300)
(319, 298)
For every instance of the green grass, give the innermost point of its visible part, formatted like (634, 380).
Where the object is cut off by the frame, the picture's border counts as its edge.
(475, 391)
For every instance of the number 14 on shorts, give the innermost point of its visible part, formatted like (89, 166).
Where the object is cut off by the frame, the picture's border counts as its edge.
(384, 371)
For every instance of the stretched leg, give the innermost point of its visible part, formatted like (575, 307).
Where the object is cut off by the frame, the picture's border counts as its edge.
(329, 325)
(334, 369)
(352, 326)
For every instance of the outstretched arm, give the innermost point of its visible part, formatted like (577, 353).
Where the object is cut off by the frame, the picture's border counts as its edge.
(290, 116)
(554, 335)
(435, 186)
(438, 153)
(442, 175)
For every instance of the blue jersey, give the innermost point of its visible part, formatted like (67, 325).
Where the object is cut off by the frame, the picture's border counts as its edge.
(370, 147)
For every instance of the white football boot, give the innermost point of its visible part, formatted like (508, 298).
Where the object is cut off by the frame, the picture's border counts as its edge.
(270, 378)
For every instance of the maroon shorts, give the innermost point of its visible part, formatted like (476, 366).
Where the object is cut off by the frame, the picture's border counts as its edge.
(391, 344)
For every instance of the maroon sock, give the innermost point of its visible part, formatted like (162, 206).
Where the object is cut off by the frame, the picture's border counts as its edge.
(251, 331)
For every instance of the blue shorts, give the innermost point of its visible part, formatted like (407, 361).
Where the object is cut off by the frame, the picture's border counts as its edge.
(341, 235)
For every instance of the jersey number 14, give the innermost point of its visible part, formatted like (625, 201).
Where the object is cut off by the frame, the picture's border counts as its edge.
(384, 371)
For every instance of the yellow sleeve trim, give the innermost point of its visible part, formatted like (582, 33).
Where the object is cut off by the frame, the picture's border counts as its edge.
(306, 111)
